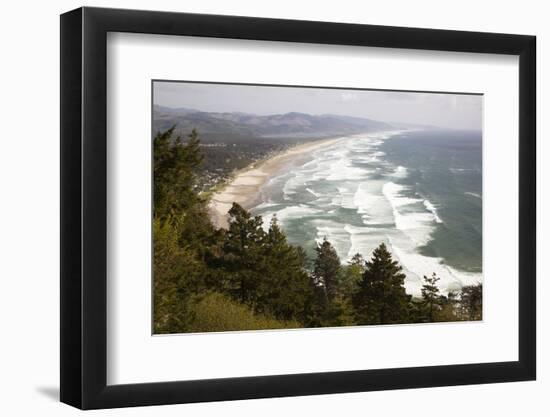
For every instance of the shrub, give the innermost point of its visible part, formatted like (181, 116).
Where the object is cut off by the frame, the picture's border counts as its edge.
(215, 312)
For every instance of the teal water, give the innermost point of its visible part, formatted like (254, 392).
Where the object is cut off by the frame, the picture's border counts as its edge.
(420, 192)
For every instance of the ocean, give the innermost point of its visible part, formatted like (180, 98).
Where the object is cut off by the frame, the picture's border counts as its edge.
(420, 192)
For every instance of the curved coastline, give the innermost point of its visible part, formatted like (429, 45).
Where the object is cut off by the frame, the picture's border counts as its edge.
(243, 189)
(411, 230)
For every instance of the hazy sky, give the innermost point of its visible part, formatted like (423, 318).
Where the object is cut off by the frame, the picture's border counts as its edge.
(444, 110)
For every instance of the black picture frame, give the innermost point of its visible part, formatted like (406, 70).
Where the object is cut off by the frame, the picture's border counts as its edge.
(84, 207)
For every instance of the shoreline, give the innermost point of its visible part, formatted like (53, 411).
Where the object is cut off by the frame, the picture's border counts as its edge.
(244, 187)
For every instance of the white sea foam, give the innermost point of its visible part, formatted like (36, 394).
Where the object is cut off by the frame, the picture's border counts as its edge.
(473, 194)
(433, 210)
(394, 193)
(347, 196)
(294, 212)
(311, 165)
(287, 214)
(366, 159)
(417, 266)
(293, 183)
(266, 204)
(309, 190)
(371, 203)
(349, 175)
(361, 199)
(363, 240)
(418, 225)
(400, 172)
(460, 170)
(342, 170)
(336, 235)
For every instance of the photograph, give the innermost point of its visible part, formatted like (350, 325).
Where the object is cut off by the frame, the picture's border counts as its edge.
(249, 209)
(288, 207)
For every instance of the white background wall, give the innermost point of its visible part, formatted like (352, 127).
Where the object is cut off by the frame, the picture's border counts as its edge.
(29, 209)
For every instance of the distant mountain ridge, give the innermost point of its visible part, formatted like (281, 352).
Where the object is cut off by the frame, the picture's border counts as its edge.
(247, 124)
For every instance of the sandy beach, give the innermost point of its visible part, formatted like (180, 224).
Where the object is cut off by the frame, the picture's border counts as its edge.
(244, 187)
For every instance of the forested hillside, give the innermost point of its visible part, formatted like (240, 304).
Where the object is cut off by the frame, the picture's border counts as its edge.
(262, 126)
(232, 141)
(246, 278)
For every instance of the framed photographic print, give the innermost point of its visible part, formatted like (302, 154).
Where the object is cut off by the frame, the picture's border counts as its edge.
(257, 208)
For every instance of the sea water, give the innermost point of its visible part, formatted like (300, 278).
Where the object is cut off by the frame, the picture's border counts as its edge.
(420, 192)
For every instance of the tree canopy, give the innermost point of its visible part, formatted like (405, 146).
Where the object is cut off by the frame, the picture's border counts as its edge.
(381, 296)
(248, 276)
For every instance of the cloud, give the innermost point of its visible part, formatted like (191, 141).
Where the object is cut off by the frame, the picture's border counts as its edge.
(438, 109)
(348, 96)
(407, 96)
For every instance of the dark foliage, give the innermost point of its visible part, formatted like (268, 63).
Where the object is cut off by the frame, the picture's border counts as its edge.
(381, 296)
(250, 277)
(471, 302)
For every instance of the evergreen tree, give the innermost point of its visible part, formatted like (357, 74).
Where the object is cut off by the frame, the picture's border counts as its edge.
(175, 189)
(381, 296)
(352, 274)
(174, 173)
(243, 254)
(431, 297)
(357, 260)
(416, 311)
(471, 302)
(327, 269)
(177, 275)
(448, 307)
(180, 231)
(259, 276)
(327, 306)
(285, 287)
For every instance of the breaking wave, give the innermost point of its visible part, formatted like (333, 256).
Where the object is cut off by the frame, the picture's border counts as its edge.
(350, 194)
